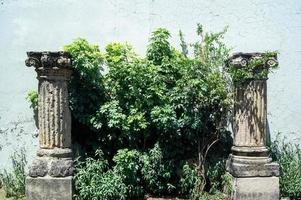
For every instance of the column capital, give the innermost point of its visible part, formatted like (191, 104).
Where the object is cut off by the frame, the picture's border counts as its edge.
(265, 60)
(251, 66)
(50, 65)
(49, 60)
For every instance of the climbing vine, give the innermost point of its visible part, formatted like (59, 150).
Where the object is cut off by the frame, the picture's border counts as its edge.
(258, 67)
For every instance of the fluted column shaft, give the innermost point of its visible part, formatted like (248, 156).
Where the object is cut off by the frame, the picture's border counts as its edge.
(53, 110)
(250, 114)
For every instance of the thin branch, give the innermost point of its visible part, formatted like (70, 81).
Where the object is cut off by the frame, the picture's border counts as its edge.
(215, 141)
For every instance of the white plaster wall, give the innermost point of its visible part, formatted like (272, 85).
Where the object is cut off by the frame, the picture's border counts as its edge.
(254, 25)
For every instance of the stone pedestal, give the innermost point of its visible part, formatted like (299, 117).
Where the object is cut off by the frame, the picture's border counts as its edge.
(50, 175)
(254, 188)
(249, 163)
(44, 188)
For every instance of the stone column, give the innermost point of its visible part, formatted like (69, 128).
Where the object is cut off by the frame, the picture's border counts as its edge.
(254, 174)
(50, 176)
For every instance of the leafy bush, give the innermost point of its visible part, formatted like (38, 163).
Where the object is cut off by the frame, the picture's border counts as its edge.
(157, 173)
(288, 156)
(32, 97)
(190, 181)
(132, 174)
(128, 167)
(215, 174)
(159, 47)
(86, 87)
(13, 181)
(93, 180)
(148, 114)
(219, 179)
(159, 107)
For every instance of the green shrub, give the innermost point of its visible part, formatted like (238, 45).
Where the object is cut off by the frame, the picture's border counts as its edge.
(219, 181)
(227, 185)
(128, 165)
(13, 181)
(167, 97)
(133, 174)
(32, 97)
(159, 97)
(288, 156)
(214, 174)
(159, 47)
(157, 173)
(190, 181)
(86, 86)
(93, 180)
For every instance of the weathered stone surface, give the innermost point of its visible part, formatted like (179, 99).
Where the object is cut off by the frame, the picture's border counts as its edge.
(241, 59)
(54, 114)
(256, 188)
(47, 59)
(61, 168)
(237, 169)
(48, 188)
(250, 114)
(254, 174)
(55, 152)
(250, 151)
(55, 167)
(54, 117)
(250, 155)
(39, 168)
(51, 174)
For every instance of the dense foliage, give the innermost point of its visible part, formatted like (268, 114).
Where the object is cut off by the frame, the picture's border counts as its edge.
(13, 180)
(155, 119)
(288, 156)
(86, 87)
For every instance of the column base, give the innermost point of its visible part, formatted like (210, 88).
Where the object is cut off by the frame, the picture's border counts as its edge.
(258, 151)
(246, 166)
(259, 188)
(49, 188)
(55, 162)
